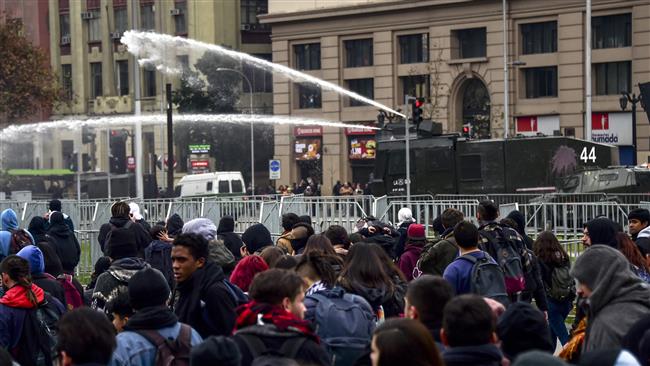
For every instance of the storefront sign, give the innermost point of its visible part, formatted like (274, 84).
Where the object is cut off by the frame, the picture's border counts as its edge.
(308, 131)
(362, 148)
(199, 164)
(199, 149)
(611, 128)
(532, 125)
(308, 149)
(351, 131)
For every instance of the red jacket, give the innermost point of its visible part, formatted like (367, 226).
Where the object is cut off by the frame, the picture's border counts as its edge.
(409, 258)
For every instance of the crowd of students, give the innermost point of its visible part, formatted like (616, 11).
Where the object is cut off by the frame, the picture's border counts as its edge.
(197, 293)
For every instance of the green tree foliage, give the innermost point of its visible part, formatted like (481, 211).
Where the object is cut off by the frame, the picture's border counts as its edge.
(27, 82)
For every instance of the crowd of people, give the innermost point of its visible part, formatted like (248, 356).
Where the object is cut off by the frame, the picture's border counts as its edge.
(195, 292)
(310, 187)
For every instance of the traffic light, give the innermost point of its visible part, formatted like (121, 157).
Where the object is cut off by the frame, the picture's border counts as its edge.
(467, 130)
(417, 110)
(86, 161)
(87, 135)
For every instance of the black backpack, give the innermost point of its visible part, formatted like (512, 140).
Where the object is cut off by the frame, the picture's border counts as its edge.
(260, 354)
(434, 258)
(160, 258)
(510, 255)
(170, 352)
(562, 286)
(37, 344)
(487, 278)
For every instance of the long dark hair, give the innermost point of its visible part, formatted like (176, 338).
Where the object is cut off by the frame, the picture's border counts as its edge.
(319, 244)
(627, 247)
(389, 266)
(396, 335)
(314, 265)
(17, 269)
(363, 266)
(549, 250)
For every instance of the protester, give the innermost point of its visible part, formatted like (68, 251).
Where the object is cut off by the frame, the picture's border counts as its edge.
(120, 218)
(226, 232)
(255, 238)
(38, 228)
(300, 234)
(152, 325)
(202, 298)
(216, 350)
(604, 277)
(158, 254)
(136, 216)
(37, 271)
(435, 258)
(55, 206)
(638, 264)
(174, 225)
(243, 274)
(555, 265)
(120, 309)
(284, 241)
(272, 255)
(85, 337)
(122, 249)
(425, 301)
(520, 227)
(275, 320)
(64, 242)
(338, 236)
(288, 262)
(405, 217)
(469, 333)
(404, 342)
(395, 305)
(600, 230)
(319, 244)
(9, 222)
(639, 220)
(523, 328)
(102, 265)
(217, 251)
(416, 239)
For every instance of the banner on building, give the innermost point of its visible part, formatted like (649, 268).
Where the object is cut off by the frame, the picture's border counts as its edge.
(362, 148)
(532, 125)
(308, 131)
(612, 128)
(307, 149)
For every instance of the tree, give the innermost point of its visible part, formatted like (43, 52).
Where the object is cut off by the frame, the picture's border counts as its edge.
(27, 82)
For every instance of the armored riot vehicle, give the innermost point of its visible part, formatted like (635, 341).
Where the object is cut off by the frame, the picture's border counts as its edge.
(451, 164)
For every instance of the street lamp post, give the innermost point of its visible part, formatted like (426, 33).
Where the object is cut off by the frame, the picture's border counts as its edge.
(250, 89)
(632, 99)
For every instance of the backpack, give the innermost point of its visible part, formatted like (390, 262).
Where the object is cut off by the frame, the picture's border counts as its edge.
(37, 345)
(509, 252)
(20, 238)
(260, 354)
(345, 323)
(562, 284)
(160, 258)
(170, 352)
(72, 296)
(487, 278)
(434, 258)
(238, 296)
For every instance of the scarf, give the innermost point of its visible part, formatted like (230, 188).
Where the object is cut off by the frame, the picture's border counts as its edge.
(572, 350)
(152, 317)
(318, 286)
(254, 313)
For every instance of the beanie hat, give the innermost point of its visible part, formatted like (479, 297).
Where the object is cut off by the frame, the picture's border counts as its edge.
(640, 214)
(201, 226)
(35, 258)
(216, 350)
(256, 237)
(135, 211)
(55, 205)
(120, 243)
(523, 328)
(56, 217)
(148, 287)
(416, 232)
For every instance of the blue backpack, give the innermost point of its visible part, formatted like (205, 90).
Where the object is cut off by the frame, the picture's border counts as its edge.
(344, 322)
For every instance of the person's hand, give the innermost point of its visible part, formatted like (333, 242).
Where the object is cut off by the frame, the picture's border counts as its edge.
(164, 237)
(341, 250)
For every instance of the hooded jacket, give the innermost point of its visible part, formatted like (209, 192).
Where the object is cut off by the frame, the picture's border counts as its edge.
(8, 223)
(256, 238)
(37, 269)
(520, 220)
(615, 290)
(410, 257)
(64, 242)
(117, 275)
(205, 303)
(174, 225)
(37, 227)
(602, 231)
(14, 306)
(226, 232)
(142, 237)
(201, 226)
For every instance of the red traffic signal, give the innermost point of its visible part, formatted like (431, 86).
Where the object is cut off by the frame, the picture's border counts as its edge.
(419, 102)
(465, 129)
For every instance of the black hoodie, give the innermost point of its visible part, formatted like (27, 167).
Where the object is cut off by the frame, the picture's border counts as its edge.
(64, 242)
(205, 302)
(142, 237)
(226, 232)
(174, 225)
(38, 229)
(117, 275)
(602, 231)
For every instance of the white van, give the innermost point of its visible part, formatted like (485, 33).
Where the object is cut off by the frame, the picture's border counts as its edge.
(220, 183)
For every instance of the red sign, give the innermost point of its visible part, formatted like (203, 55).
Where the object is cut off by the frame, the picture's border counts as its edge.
(130, 162)
(600, 121)
(527, 124)
(362, 148)
(350, 131)
(308, 131)
(200, 163)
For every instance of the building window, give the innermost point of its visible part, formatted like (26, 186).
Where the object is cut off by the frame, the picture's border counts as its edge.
(541, 82)
(94, 29)
(611, 31)
(180, 22)
(358, 52)
(147, 17)
(539, 38)
(64, 24)
(250, 9)
(307, 56)
(122, 77)
(96, 79)
(121, 20)
(415, 86)
(66, 80)
(612, 78)
(468, 43)
(309, 96)
(363, 87)
(413, 48)
(261, 80)
(149, 77)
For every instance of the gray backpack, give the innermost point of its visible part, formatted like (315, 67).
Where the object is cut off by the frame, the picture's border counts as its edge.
(487, 278)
